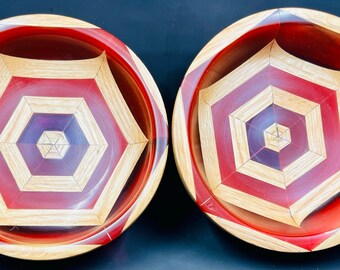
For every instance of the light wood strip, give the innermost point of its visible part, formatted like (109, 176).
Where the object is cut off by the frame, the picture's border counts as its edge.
(150, 83)
(255, 237)
(208, 144)
(17, 123)
(254, 106)
(62, 149)
(4, 81)
(54, 105)
(255, 204)
(44, 252)
(288, 63)
(263, 173)
(292, 102)
(80, 217)
(300, 166)
(322, 19)
(118, 179)
(88, 164)
(47, 20)
(239, 137)
(118, 106)
(5, 77)
(89, 125)
(49, 217)
(227, 36)
(331, 241)
(316, 141)
(53, 69)
(316, 198)
(53, 153)
(238, 76)
(181, 146)
(46, 183)
(148, 191)
(276, 137)
(44, 149)
(3, 69)
(16, 164)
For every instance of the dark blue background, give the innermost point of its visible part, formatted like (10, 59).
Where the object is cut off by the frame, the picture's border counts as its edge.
(172, 232)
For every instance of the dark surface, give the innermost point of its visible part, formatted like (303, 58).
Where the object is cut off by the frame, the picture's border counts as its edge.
(172, 232)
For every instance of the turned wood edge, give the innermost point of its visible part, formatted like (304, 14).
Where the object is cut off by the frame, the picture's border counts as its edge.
(181, 148)
(47, 20)
(241, 27)
(149, 190)
(44, 252)
(267, 241)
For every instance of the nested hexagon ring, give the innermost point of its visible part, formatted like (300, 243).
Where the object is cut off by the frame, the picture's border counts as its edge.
(256, 130)
(83, 137)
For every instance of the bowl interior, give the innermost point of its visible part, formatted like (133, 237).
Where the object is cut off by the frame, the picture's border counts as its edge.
(67, 45)
(301, 39)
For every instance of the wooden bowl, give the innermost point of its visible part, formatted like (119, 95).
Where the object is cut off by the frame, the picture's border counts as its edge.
(83, 137)
(256, 130)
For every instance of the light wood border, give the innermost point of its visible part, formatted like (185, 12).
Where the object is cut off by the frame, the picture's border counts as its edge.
(255, 237)
(181, 146)
(47, 20)
(46, 252)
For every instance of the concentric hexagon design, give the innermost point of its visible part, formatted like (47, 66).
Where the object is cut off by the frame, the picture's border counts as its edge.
(57, 219)
(245, 164)
(267, 118)
(289, 174)
(53, 144)
(69, 156)
(276, 137)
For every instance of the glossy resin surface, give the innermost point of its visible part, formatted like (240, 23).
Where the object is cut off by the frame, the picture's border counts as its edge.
(256, 130)
(83, 137)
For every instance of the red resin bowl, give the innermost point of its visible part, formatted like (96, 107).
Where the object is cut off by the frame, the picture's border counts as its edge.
(256, 129)
(83, 137)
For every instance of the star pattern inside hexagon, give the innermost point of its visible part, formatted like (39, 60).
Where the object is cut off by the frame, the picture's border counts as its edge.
(53, 144)
(277, 137)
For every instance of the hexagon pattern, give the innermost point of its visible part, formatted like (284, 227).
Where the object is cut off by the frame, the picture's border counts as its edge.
(276, 137)
(53, 144)
(64, 160)
(267, 116)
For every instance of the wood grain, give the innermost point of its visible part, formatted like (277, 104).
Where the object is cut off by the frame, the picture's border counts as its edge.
(53, 69)
(208, 144)
(118, 106)
(227, 36)
(326, 20)
(256, 237)
(44, 252)
(271, 60)
(181, 145)
(323, 76)
(148, 191)
(117, 180)
(47, 20)
(150, 83)
(17, 122)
